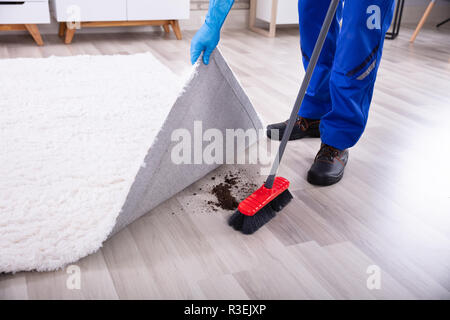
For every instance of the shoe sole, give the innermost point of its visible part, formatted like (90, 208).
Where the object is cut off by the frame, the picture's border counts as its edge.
(323, 181)
(295, 136)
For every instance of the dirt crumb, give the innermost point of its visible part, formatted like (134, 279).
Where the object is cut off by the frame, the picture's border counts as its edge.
(231, 180)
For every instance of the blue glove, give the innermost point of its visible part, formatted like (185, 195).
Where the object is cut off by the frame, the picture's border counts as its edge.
(207, 38)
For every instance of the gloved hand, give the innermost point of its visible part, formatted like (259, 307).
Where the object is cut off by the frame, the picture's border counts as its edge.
(207, 38)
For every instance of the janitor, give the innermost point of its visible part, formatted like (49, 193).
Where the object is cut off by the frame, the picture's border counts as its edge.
(336, 106)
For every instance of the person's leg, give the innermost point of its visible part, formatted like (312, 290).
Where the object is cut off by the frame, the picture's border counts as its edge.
(358, 56)
(317, 101)
(311, 14)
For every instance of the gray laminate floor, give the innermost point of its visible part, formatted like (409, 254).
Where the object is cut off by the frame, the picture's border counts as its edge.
(391, 212)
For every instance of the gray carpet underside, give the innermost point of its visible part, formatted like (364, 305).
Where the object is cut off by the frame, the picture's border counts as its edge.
(213, 96)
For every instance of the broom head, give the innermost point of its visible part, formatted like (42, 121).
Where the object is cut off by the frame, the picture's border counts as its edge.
(261, 206)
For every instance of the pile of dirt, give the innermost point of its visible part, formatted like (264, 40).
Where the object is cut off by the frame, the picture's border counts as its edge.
(231, 191)
(224, 197)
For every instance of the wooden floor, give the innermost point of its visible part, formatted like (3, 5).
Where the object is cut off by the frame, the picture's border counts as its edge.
(392, 209)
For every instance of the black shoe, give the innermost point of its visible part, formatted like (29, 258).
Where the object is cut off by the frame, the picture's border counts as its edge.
(303, 128)
(328, 167)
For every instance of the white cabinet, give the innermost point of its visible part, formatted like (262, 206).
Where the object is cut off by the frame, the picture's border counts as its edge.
(24, 15)
(21, 12)
(158, 10)
(121, 10)
(90, 10)
(110, 13)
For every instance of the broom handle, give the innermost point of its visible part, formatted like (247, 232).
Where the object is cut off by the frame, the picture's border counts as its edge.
(301, 95)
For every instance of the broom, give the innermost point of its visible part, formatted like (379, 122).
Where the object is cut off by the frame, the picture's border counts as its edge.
(260, 207)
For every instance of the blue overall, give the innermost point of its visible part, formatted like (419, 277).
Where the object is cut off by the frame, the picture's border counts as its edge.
(341, 89)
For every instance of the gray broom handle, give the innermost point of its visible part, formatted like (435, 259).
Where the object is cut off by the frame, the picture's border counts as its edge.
(305, 84)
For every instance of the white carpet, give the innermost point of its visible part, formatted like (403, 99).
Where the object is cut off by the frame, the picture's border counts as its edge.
(73, 133)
